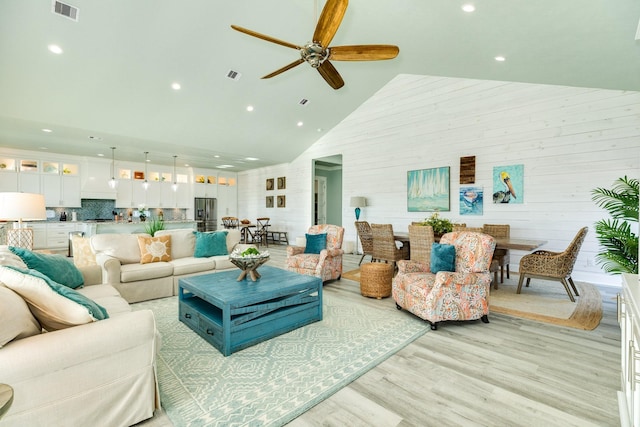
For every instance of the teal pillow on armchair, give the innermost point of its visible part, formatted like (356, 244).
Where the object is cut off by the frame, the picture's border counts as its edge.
(443, 257)
(315, 243)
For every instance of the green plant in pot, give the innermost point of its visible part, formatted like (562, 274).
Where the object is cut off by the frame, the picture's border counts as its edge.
(440, 225)
(154, 225)
(616, 235)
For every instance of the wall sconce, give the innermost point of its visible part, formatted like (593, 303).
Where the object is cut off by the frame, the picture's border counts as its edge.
(358, 202)
(112, 182)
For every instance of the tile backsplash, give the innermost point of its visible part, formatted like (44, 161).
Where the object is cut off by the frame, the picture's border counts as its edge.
(103, 209)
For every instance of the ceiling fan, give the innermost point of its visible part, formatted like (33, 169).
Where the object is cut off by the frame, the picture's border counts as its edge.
(318, 53)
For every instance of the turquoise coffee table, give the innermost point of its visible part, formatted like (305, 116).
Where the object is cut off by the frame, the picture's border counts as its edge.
(233, 315)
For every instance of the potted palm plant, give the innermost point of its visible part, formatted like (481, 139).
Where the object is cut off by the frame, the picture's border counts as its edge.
(616, 235)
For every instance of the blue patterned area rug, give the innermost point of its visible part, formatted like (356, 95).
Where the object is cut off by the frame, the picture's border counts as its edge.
(273, 382)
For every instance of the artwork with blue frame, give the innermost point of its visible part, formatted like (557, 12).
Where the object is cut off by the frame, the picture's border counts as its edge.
(508, 184)
(471, 200)
(428, 190)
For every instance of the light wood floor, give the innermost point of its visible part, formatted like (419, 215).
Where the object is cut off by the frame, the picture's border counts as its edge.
(510, 372)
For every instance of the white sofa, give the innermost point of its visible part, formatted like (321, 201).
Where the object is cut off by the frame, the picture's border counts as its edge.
(101, 373)
(119, 257)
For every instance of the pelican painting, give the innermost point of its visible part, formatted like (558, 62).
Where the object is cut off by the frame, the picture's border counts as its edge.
(508, 184)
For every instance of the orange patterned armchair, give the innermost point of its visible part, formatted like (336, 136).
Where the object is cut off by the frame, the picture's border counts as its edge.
(448, 295)
(327, 262)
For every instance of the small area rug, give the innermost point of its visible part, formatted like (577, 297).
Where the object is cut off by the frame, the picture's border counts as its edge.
(543, 301)
(273, 382)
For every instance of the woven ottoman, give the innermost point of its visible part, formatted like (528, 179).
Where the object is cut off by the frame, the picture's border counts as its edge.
(375, 279)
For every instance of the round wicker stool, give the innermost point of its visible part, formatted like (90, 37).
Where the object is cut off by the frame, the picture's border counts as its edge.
(375, 279)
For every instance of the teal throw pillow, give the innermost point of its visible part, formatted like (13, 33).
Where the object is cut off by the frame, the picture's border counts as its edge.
(443, 257)
(57, 267)
(94, 309)
(210, 244)
(315, 243)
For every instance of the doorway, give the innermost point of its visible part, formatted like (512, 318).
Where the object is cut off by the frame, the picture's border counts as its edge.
(327, 190)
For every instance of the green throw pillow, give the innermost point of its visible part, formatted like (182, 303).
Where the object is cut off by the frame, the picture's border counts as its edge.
(56, 267)
(94, 309)
(315, 243)
(443, 257)
(210, 244)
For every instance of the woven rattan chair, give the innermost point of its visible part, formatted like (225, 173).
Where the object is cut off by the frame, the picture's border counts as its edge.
(420, 241)
(553, 265)
(499, 231)
(366, 239)
(384, 245)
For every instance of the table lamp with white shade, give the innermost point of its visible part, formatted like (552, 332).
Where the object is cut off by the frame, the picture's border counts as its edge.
(21, 207)
(358, 202)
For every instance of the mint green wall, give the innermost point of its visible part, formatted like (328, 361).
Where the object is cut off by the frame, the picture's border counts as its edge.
(334, 195)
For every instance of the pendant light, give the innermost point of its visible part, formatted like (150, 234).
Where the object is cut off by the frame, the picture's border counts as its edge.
(175, 177)
(145, 184)
(112, 182)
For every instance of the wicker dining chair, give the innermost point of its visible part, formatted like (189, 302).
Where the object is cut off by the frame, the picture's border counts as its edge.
(384, 245)
(553, 265)
(420, 241)
(500, 231)
(366, 239)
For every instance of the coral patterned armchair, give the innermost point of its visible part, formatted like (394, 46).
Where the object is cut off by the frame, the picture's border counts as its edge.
(449, 295)
(327, 262)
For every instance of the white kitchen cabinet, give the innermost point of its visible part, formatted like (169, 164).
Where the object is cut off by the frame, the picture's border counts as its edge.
(227, 195)
(8, 181)
(94, 179)
(52, 189)
(71, 191)
(124, 195)
(629, 320)
(58, 234)
(29, 182)
(39, 235)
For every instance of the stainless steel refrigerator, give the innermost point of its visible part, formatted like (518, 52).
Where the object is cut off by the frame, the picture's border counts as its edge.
(205, 214)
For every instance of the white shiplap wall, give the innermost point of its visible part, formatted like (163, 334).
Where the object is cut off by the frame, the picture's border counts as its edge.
(570, 140)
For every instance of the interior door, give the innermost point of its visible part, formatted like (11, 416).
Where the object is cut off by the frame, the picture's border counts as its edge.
(321, 200)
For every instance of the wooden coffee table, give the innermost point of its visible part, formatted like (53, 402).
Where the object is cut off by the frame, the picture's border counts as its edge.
(233, 315)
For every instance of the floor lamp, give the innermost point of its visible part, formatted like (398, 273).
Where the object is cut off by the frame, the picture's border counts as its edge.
(21, 207)
(357, 202)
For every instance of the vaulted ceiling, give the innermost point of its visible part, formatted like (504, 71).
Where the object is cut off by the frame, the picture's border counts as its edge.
(111, 86)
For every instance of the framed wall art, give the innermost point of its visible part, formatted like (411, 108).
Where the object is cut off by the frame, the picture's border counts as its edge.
(282, 183)
(270, 185)
(471, 200)
(269, 202)
(282, 201)
(508, 184)
(428, 190)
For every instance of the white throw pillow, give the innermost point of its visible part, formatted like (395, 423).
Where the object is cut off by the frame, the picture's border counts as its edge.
(52, 310)
(16, 319)
(9, 258)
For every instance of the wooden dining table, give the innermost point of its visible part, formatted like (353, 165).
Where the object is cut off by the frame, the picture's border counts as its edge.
(509, 243)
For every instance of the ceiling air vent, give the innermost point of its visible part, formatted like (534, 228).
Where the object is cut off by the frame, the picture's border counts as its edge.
(234, 75)
(303, 102)
(65, 10)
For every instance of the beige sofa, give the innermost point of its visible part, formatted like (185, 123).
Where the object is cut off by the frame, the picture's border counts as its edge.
(101, 373)
(119, 256)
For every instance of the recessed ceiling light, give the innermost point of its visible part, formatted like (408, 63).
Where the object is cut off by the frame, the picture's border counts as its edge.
(43, 148)
(186, 165)
(100, 155)
(468, 7)
(249, 107)
(54, 48)
(47, 130)
(175, 86)
(217, 156)
(500, 58)
(319, 129)
(251, 159)
(300, 124)
(225, 166)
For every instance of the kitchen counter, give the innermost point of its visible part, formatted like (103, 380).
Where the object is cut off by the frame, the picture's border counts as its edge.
(90, 227)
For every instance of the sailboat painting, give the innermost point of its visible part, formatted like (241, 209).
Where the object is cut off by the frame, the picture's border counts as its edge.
(428, 190)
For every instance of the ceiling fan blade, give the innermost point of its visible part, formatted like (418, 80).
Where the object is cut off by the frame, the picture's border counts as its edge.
(364, 52)
(265, 37)
(285, 68)
(329, 21)
(331, 75)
